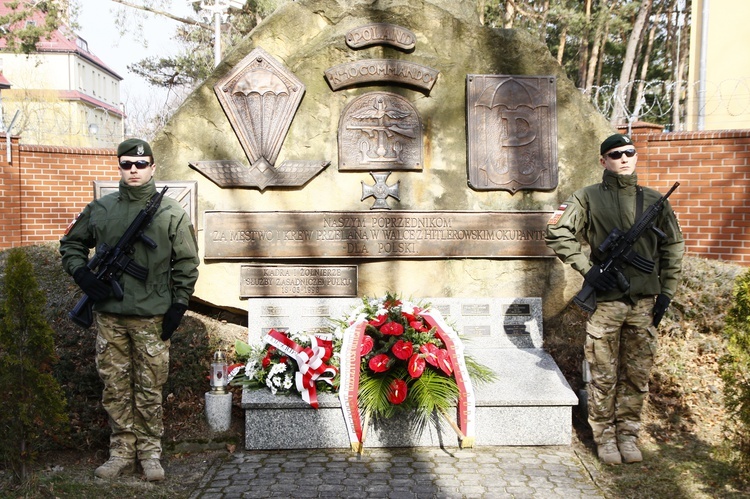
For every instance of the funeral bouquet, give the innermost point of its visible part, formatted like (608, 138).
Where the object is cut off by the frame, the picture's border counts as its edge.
(289, 363)
(404, 364)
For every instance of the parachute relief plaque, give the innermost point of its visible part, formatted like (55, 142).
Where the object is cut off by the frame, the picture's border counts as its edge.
(260, 97)
(512, 125)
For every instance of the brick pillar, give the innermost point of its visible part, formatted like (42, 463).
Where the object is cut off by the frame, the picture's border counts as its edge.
(10, 201)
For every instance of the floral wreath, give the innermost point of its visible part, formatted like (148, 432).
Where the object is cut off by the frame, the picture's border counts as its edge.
(407, 362)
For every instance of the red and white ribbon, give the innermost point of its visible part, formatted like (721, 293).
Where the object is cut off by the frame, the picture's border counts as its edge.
(466, 397)
(349, 389)
(311, 361)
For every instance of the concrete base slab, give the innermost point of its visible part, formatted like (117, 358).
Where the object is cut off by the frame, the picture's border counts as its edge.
(530, 403)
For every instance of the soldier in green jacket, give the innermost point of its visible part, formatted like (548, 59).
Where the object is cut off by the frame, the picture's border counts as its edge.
(621, 337)
(132, 345)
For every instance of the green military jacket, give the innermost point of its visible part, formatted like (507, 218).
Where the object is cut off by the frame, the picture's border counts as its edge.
(591, 213)
(172, 265)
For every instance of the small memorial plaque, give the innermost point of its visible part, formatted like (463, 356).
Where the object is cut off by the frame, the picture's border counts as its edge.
(475, 309)
(518, 309)
(321, 311)
(295, 281)
(273, 312)
(473, 331)
(515, 329)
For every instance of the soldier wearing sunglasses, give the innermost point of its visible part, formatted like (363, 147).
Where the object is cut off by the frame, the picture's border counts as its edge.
(621, 337)
(132, 344)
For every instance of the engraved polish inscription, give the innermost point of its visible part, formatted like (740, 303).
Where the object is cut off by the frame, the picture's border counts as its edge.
(396, 234)
(391, 71)
(381, 34)
(291, 280)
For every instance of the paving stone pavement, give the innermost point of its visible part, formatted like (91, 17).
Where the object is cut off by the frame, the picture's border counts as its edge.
(482, 472)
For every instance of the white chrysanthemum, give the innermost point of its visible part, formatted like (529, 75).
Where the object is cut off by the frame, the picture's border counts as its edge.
(277, 381)
(251, 368)
(287, 382)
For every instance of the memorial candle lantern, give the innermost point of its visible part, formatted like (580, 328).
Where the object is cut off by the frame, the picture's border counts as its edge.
(219, 373)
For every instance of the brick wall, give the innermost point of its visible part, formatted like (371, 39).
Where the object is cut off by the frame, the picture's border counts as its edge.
(44, 187)
(713, 199)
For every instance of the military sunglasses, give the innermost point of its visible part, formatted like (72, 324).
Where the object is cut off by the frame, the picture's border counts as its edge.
(618, 154)
(140, 164)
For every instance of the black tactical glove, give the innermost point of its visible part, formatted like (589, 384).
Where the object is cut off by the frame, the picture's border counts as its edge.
(172, 320)
(660, 307)
(95, 289)
(601, 281)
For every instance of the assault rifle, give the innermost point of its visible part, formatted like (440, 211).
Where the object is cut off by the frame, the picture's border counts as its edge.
(109, 262)
(619, 247)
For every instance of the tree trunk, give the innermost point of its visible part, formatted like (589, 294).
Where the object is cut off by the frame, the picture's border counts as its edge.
(561, 47)
(620, 105)
(584, 49)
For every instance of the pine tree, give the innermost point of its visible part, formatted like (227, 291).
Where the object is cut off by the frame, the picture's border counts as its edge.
(33, 401)
(734, 368)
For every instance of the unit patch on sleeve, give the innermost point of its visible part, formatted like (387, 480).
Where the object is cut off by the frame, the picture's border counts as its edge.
(557, 214)
(72, 223)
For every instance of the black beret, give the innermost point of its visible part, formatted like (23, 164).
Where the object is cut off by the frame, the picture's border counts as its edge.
(134, 147)
(616, 140)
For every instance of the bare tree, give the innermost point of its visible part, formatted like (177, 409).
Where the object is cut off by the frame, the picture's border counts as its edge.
(644, 12)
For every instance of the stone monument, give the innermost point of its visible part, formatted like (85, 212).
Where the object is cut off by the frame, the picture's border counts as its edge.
(349, 148)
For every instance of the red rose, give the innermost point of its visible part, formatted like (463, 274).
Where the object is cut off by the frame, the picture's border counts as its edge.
(283, 360)
(397, 391)
(366, 344)
(444, 361)
(266, 361)
(430, 352)
(416, 366)
(379, 363)
(402, 349)
(392, 328)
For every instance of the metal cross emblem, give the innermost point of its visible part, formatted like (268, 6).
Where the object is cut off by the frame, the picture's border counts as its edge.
(380, 191)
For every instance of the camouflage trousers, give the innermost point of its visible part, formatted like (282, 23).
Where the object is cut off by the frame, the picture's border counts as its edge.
(620, 349)
(133, 363)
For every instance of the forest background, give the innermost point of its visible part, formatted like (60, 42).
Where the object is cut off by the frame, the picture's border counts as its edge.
(629, 56)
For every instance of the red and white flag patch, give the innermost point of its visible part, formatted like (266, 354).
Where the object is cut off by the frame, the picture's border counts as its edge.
(557, 214)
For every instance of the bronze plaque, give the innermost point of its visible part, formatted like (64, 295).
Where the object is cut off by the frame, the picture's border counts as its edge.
(381, 34)
(380, 131)
(512, 125)
(298, 281)
(397, 234)
(385, 71)
(260, 97)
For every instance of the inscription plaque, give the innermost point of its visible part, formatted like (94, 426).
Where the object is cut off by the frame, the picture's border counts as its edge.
(387, 71)
(381, 34)
(515, 329)
(473, 331)
(518, 309)
(396, 234)
(512, 124)
(380, 131)
(289, 280)
(475, 309)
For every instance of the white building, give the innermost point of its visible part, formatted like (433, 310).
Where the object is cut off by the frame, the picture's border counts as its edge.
(66, 95)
